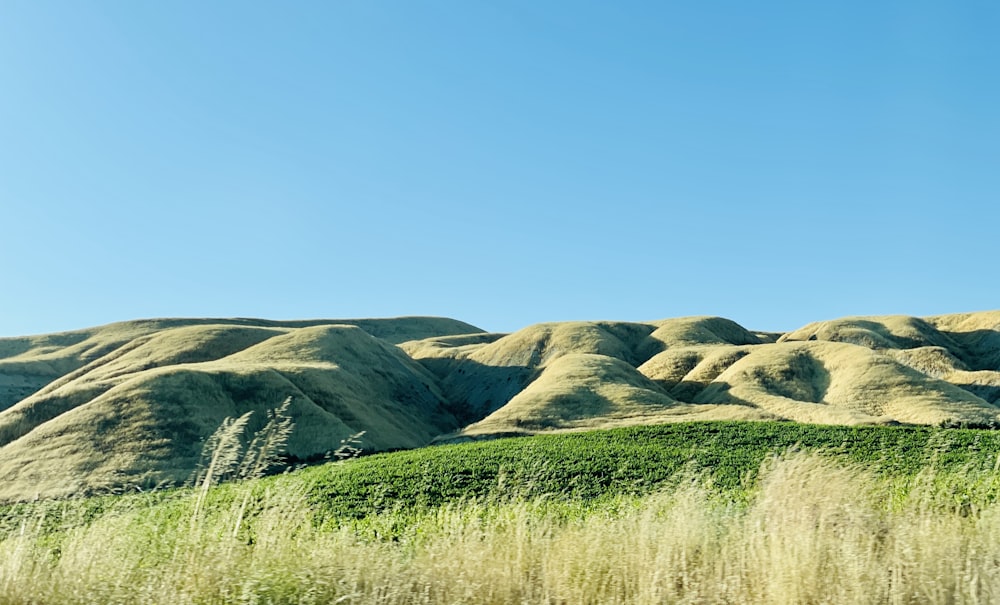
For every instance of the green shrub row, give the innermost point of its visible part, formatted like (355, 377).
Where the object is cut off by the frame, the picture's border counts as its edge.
(632, 460)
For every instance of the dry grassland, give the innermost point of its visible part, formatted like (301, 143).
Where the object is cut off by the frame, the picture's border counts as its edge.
(813, 531)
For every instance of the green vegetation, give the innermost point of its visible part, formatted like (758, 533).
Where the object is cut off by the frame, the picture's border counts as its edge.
(595, 466)
(718, 512)
(636, 460)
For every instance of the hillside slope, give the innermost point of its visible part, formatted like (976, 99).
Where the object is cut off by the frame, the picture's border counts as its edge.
(133, 402)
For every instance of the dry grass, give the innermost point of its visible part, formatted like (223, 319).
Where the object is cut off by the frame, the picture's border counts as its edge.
(867, 370)
(687, 370)
(137, 415)
(485, 377)
(812, 532)
(27, 363)
(838, 383)
(584, 391)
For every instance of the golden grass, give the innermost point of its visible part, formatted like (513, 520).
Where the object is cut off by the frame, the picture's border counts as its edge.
(138, 415)
(582, 391)
(685, 331)
(30, 362)
(812, 532)
(837, 383)
(850, 371)
(485, 376)
(685, 371)
(448, 346)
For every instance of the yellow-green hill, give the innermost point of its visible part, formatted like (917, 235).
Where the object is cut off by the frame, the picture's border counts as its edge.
(139, 413)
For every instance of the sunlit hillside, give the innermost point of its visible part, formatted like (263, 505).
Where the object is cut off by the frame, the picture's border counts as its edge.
(132, 403)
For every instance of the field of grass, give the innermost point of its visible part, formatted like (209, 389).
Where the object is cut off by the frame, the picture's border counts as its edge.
(638, 460)
(699, 512)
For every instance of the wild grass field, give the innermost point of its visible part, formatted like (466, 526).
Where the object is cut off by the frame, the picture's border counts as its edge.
(683, 513)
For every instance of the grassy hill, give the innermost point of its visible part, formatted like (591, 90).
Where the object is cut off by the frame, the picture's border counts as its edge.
(132, 403)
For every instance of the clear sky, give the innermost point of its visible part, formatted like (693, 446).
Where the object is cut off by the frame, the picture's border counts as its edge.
(500, 162)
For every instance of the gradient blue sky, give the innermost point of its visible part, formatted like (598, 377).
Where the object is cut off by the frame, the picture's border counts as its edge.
(504, 163)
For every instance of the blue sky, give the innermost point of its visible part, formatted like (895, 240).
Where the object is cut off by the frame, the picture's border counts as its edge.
(504, 163)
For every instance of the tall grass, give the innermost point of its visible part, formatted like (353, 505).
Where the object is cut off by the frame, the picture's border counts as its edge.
(811, 531)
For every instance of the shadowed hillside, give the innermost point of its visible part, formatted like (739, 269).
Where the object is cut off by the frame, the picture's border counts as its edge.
(132, 403)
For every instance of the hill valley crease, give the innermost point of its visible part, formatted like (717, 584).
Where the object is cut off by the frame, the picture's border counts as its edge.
(132, 403)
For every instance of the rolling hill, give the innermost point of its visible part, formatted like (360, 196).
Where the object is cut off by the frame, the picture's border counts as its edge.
(131, 404)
